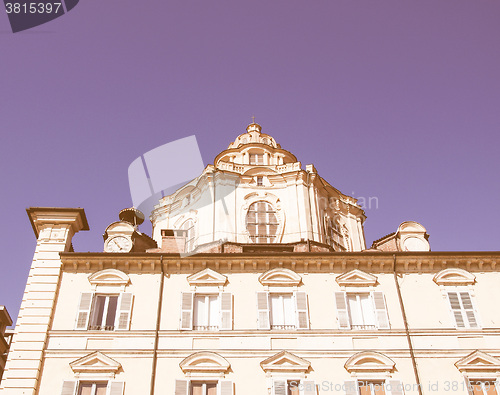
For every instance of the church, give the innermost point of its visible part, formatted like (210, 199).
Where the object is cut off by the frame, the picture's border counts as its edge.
(256, 280)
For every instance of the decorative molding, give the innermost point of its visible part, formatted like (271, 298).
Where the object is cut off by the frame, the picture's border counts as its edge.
(280, 277)
(478, 361)
(96, 362)
(206, 362)
(285, 361)
(356, 278)
(109, 277)
(207, 277)
(454, 276)
(369, 362)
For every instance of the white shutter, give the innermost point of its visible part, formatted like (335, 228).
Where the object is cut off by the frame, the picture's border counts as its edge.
(394, 387)
(279, 387)
(456, 309)
(302, 312)
(226, 387)
(69, 387)
(226, 311)
(468, 308)
(82, 318)
(342, 313)
(309, 388)
(351, 387)
(181, 387)
(380, 310)
(124, 311)
(187, 310)
(116, 388)
(263, 310)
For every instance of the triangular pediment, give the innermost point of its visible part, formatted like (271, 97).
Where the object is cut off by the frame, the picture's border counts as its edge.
(454, 277)
(285, 361)
(207, 277)
(478, 361)
(96, 362)
(356, 278)
(369, 361)
(205, 361)
(280, 277)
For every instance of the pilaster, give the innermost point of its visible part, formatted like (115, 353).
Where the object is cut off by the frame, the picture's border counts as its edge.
(54, 228)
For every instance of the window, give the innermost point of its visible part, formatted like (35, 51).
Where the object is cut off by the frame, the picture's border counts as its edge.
(462, 309)
(188, 233)
(262, 223)
(92, 388)
(371, 388)
(293, 387)
(256, 159)
(215, 387)
(260, 181)
(334, 234)
(286, 387)
(199, 388)
(482, 387)
(206, 312)
(104, 311)
(283, 311)
(361, 310)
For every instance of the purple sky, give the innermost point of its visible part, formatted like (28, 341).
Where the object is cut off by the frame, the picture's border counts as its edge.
(398, 100)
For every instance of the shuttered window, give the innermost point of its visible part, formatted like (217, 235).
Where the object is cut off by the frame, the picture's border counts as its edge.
(262, 222)
(293, 387)
(462, 309)
(206, 312)
(371, 388)
(93, 388)
(104, 311)
(282, 311)
(222, 387)
(363, 311)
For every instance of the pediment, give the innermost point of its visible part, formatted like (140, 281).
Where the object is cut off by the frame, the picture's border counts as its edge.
(356, 278)
(96, 362)
(280, 277)
(369, 361)
(204, 361)
(454, 277)
(285, 361)
(207, 277)
(478, 361)
(109, 277)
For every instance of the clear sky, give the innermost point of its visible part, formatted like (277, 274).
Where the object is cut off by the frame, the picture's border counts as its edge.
(397, 100)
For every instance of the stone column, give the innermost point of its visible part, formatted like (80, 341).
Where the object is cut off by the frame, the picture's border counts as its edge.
(54, 228)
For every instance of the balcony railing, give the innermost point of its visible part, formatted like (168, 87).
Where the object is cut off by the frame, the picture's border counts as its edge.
(363, 327)
(101, 328)
(206, 327)
(283, 327)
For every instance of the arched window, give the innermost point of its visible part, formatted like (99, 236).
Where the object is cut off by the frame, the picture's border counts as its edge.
(188, 227)
(262, 222)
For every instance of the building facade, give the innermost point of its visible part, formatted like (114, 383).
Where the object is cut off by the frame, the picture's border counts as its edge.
(256, 280)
